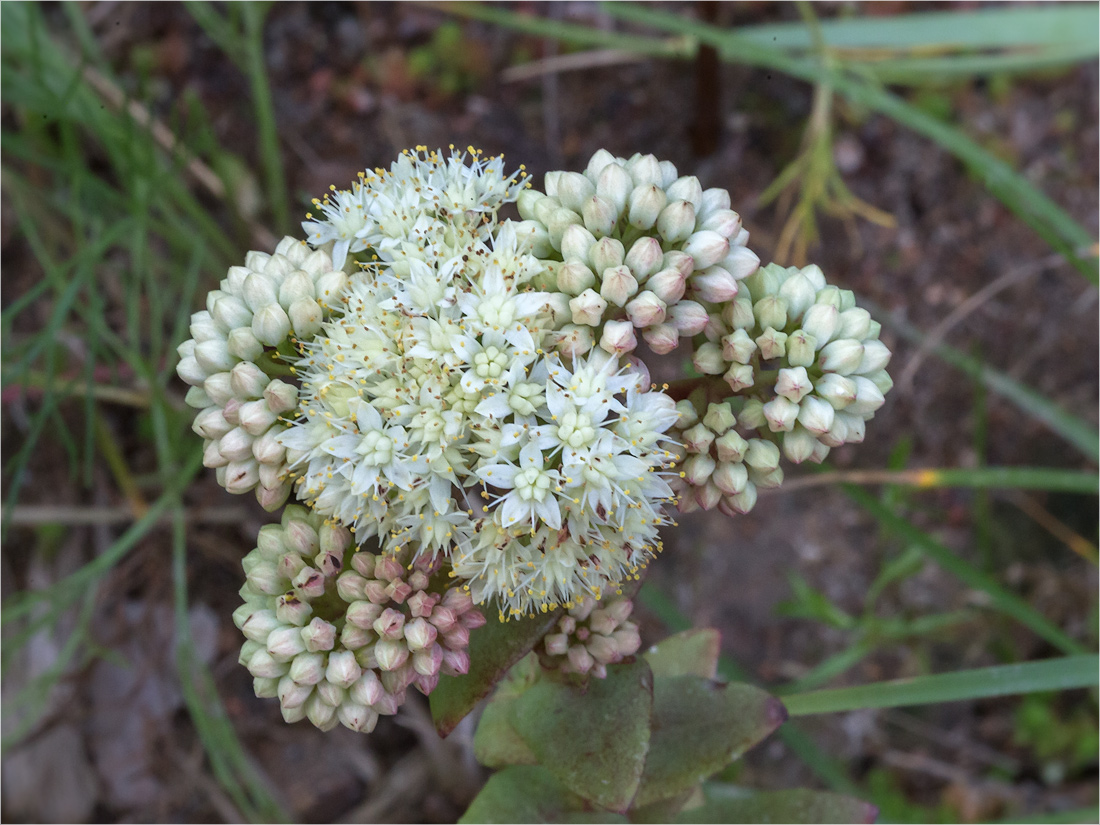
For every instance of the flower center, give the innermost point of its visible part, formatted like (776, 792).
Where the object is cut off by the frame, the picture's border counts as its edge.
(376, 449)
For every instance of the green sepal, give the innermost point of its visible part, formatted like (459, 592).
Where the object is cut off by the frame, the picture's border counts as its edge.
(799, 805)
(493, 649)
(700, 726)
(690, 653)
(528, 793)
(594, 739)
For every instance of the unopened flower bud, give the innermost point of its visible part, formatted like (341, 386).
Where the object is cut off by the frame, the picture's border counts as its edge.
(661, 338)
(697, 469)
(330, 287)
(842, 356)
(646, 170)
(420, 634)
(308, 668)
(731, 447)
(772, 343)
(618, 337)
(731, 477)
(738, 314)
(241, 476)
(688, 415)
(272, 496)
(455, 662)
(707, 248)
(799, 295)
(390, 625)
(210, 423)
(668, 285)
(752, 414)
(627, 639)
(255, 417)
(575, 243)
(781, 414)
(271, 325)
(882, 380)
(391, 654)
(766, 480)
(606, 253)
(719, 417)
(559, 221)
(714, 284)
(853, 323)
(798, 445)
(875, 357)
(830, 296)
(762, 455)
(573, 189)
(836, 389)
(680, 261)
(689, 318)
(572, 340)
(740, 377)
(213, 355)
(801, 348)
(645, 205)
(771, 311)
(741, 262)
(676, 222)
(698, 439)
(289, 609)
(725, 222)
(617, 286)
(615, 184)
(574, 277)
(556, 644)
(738, 346)
(243, 344)
(742, 502)
(305, 317)
(868, 397)
(588, 308)
(597, 163)
(821, 321)
(793, 384)
(356, 717)
(580, 660)
(708, 495)
(367, 690)
(646, 309)
(644, 258)
(708, 359)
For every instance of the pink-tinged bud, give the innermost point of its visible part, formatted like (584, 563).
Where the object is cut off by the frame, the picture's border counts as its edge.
(854, 323)
(364, 564)
(455, 662)
(620, 611)
(308, 668)
(255, 418)
(280, 396)
(356, 717)
(697, 470)
(762, 455)
(266, 449)
(387, 568)
(272, 496)
(842, 356)
(556, 644)
(398, 591)
(725, 222)
(731, 447)
(302, 538)
(458, 637)
(707, 248)
(443, 617)
(290, 565)
(615, 184)
(218, 387)
(458, 599)
(574, 277)
(708, 359)
(661, 338)
(644, 258)
(390, 624)
(318, 635)
(798, 445)
(602, 622)
(368, 690)
(627, 639)
(698, 439)
(575, 243)
(259, 624)
(714, 284)
(617, 286)
(572, 340)
(781, 414)
(767, 480)
(741, 503)
(236, 445)
(816, 415)
(738, 346)
(421, 604)
(821, 321)
(772, 343)
(472, 619)
(741, 262)
(353, 638)
(420, 634)
(395, 681)
(391, 654)
(738, 314)
(580, 660)
(388, 704)
(644, 206)
(708, 496)
(321, 713)
(290, 610)
(676, 222)
(618, 337)
(426, 661)
(687, 503)
(689, 318)
(600, 216)
(645, 310)
(264, 576)
(875, 358)
(731, 477)
(573, 190)
(606, 253)
(241, 476)
(739, 377)
(715, 328)
(793, 384)
(291, 694)
(271, 325)
(265, 666)
(349, 586)
(363, 614)
(603, 650)
(342, 669)
(426, 684)
(210, 423)
(587, 308)
(668, 285)
(232, 411)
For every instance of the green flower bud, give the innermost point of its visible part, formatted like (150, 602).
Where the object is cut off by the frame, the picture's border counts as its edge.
(875, 357)
(688, 416)
(740, 377)
(698, 439)
(526, 202)
(771, 311)
(259, 291)
(772, 343)
(829, 296)
(766, 480)
(697, 469)
(738, 314)
(731, 477)
(731, 447)
(305, 317)
(799, 294)
(801, 348)
(229, 312)
(214, 356)
(816, 415)
(298, 284)
(853, 323)
(762, 455)
(882, 380)
(559, 221)
(842, 356)
(742, 502)
(606, 253)
(720, 417)
(708, 359)
(751, 416)
(868, 397)
(600, 216)
(836, 389)
(574, 277)
(781, 414)
(243, 344)
(576, 241)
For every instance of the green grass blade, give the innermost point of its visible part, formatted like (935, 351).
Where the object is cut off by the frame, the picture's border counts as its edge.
(1064, 673)
(1001, 599)
(1047, 479)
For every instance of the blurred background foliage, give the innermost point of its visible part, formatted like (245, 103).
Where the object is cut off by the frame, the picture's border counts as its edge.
(941, 161)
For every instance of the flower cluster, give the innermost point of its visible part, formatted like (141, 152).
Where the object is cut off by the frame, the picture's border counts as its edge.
(808, 370)
(589, 637)
(236, 342)
(338, 635)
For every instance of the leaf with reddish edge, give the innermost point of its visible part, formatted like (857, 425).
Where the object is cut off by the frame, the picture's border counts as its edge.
(690, 653)
(493, 649)
(798, 805)
(531, 794)
(699, 727)
(594, 739)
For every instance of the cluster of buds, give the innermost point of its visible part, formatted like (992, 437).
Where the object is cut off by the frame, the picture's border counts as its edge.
(641, 248)
(338, 635)
(590, 636)
(237, 344)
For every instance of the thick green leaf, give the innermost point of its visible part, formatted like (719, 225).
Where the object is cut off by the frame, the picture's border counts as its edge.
(1063, 673)
(531, 794)
(594, 740)
(496, 743)
(493, 649)
(691, 653)
(699, 727)
(728, 804)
